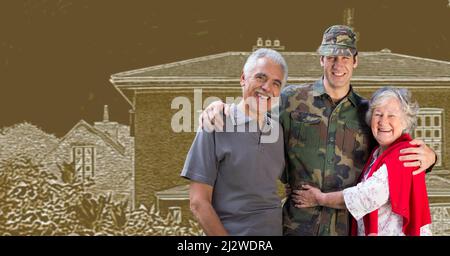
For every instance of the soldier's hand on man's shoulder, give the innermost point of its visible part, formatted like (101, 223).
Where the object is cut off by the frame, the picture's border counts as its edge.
(211, 118)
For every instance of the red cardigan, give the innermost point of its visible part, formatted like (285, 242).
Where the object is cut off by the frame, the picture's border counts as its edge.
(407, 192)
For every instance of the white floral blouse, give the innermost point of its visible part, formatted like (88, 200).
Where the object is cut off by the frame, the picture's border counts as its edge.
(373, 193)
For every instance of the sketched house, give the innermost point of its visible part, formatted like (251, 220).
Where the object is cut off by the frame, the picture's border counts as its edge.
(439, 191)
(160, 152)
(103, 153)
(174, 201)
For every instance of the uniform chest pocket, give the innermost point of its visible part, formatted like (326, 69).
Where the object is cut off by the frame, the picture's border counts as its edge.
(355, 142)
(305, 129)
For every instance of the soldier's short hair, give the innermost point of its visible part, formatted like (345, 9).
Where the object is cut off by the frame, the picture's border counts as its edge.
(266, 53)
(410, 108)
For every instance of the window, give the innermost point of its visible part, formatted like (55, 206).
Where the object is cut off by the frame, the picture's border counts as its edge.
(83, 157)
(429, 129)
(175, 213)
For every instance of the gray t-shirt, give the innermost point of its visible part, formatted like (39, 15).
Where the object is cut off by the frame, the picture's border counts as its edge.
(243, 171)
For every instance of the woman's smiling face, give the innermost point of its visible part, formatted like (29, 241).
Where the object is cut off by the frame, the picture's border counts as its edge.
(388, 122)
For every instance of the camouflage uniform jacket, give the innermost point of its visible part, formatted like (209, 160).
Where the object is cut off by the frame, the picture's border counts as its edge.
(326, 146)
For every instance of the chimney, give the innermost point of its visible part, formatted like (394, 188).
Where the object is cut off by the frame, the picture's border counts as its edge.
(275, 45)
(349, 20)
(259, 41)
(105, 114)
(106, 126)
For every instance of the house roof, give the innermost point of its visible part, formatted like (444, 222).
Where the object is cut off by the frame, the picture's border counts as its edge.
(175, 193)
(121, 149)
(382, 65)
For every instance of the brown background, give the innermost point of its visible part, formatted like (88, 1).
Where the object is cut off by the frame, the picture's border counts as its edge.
(56, 56)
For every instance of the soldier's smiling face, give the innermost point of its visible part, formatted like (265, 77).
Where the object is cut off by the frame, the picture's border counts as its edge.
(263, 83)
(338, 70)
(388, 122)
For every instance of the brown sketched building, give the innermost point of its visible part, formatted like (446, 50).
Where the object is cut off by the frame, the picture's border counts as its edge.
(103, 152)
(160, 152)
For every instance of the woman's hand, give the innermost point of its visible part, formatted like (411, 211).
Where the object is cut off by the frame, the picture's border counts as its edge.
(308, 196)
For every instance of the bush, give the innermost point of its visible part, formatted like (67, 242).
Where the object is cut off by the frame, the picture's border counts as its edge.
(35, 202)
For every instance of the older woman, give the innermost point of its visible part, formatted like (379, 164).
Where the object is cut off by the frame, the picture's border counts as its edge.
(389, 199)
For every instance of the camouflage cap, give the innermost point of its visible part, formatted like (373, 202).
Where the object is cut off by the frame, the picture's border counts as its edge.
(338, 40)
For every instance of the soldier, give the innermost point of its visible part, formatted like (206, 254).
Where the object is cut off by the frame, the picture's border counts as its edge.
(326, 139)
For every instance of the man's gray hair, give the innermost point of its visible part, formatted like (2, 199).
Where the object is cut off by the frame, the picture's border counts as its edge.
(265, 53)
(410, 108)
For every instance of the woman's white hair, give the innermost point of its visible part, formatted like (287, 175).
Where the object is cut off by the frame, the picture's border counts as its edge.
(409, 108)
(265, 53)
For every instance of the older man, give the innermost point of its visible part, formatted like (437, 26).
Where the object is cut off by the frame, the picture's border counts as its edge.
(233, 173)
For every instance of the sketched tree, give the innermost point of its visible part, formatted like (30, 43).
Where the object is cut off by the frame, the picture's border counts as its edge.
(27, 140)
(28, 205)
(34, 201)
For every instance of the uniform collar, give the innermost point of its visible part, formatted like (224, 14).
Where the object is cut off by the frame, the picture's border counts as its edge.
(319, 91)
(319, 88)
(352, 97)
